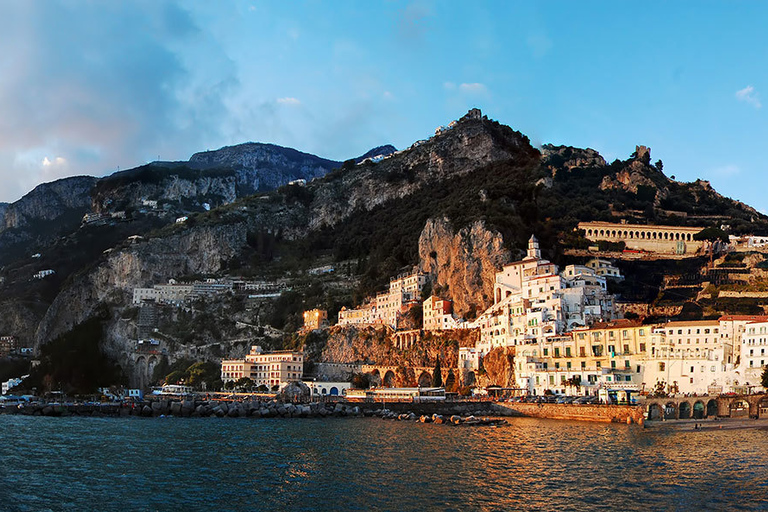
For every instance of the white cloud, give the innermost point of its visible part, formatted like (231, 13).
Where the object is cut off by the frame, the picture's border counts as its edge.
(288, 101)
(725, 170)
(473, 88)
(749, 95)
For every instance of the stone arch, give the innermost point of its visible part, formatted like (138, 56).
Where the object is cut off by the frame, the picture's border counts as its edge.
(739, 409)
(613, 233)
(670, 411)
(141, 372)
(589, 232)
(699, 410)
(450, 380)
(389, 379)
(631, 234)
(688, 237)
(375, 377)
(425, 379)
(469, 380)
(655, 411)
(711, 408)
(334, 391)
(151, 364)
(684, 410)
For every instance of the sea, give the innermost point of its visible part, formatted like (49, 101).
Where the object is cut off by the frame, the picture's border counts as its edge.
(362, 464)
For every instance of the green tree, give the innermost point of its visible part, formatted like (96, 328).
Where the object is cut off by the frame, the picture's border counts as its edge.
(244, 383)
(712, 234)
(764, 378)
(437, 376)
(175, 377)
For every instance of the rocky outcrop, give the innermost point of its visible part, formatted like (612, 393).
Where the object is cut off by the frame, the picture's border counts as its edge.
(499, 368)
(464, 261)
(50, 201)
(569, 157)
(628, 179)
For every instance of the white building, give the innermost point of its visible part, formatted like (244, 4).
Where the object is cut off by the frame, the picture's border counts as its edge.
(691, 357)
(754, 353)
(386, 307)
(532, 301)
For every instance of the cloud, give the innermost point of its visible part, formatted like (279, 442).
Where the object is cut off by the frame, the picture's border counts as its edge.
(473, 88)
(749, 95)
(87, 87)
(725, 170)
(289, 101)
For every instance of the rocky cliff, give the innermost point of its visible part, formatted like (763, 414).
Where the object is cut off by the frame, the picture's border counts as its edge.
(463, 262)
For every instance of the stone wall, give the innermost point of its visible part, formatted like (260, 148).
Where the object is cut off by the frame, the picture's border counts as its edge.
(604, 413)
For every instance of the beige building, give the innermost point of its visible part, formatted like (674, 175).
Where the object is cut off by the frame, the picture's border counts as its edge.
(272, 369)
(315, 319)
(641, 237)
(607, 355)
(386, 307)
(438, 314)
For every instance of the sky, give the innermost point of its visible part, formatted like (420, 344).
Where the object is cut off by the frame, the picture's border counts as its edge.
(91, 87)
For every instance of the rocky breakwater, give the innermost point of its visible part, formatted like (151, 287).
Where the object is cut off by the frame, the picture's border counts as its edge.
(240, 409)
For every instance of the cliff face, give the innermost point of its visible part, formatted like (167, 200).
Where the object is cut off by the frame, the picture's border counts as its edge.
(499, 368)
(464, 261)
(111, 282)
(49, 201)
(47, 212)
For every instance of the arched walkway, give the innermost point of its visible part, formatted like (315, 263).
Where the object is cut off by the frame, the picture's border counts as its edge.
(711, 408)
(389, 379)
(670, 411)
(684, 410)
(699, 411)
(655, 412)
(425, 380)
(375, 378)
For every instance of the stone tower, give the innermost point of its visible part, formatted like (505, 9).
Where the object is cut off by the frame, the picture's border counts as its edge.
(533, 248)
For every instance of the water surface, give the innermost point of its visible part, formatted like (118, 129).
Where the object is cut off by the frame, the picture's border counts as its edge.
(125, 464)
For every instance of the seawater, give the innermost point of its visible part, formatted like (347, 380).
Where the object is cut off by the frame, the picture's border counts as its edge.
(126, 464)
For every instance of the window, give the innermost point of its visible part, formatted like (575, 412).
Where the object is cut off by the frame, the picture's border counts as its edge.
(661, 367)
(598, 364)
(582, 352)
(583, 365)
(557, 352)
(568, 365)
(613, 364)
(611, 350)
(546, 351)
(626, 349)
(626, 364)
(568, 351)
(642, 347)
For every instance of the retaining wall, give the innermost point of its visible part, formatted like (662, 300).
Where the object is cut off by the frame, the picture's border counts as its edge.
(604, 413)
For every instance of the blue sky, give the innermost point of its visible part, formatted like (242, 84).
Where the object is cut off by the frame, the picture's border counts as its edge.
(87, 87)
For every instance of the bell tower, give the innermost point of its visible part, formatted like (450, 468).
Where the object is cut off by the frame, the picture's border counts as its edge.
(533, 248)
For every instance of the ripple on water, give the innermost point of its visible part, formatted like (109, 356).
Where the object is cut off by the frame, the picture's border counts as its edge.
(114, 464)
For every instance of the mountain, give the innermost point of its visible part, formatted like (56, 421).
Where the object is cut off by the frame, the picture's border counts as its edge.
(459, 205)
(377, 152)
(48, 211)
